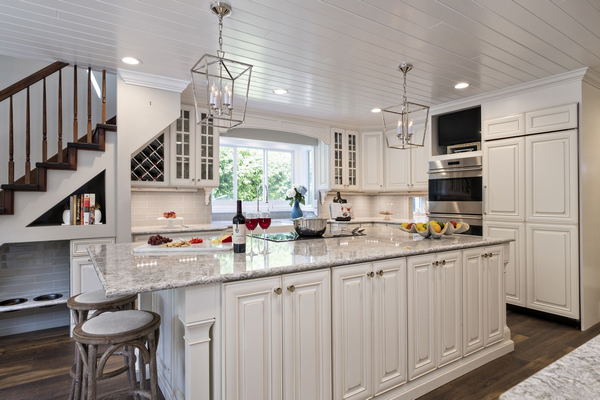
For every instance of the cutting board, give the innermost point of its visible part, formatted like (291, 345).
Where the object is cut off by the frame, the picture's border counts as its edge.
(194, 248)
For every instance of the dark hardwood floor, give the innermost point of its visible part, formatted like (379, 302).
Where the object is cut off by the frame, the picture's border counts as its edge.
(538, 342)
(36, 365)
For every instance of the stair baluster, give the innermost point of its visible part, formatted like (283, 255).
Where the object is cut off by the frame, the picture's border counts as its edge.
(27, 142)
(103, 96)
(89, 106)
(60, 144)
(11, 145)
(75, 122)
(44, 124)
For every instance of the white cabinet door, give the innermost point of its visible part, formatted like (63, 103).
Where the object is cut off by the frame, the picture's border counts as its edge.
(449, 307)
(419, 166)
(473, 300)
(389, 326)
(494, 295)
(397, 169)
(253, 345)
(515, 274)
(421, 315)
(552, 119)
(553, 269)
(551, 183)
(307, 336)
(83, 276)
(183, 148)
(322, 160)
(503, 127)
(504, 179)
(206, 154)
(372, 161)
(352, 309)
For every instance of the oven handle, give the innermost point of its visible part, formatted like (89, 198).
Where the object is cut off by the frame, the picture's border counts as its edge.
(441, 171)
(455, 173)
(484, 199)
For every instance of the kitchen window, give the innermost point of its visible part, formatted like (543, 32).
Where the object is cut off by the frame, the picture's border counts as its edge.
(246, 165)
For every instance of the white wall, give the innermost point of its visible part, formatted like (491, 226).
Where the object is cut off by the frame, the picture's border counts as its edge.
(142, 113)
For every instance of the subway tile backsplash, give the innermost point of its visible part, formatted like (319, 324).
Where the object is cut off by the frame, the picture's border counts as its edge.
(369, 206)
(31, 269)
(147, 206)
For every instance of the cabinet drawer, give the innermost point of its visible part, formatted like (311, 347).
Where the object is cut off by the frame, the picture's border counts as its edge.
(509, 126)
(79, 247)
(551, 119)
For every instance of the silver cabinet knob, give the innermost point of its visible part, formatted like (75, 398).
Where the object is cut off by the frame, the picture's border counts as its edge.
(278, 290)
(371, 274)
(443, 262)
(291, 288)
(380, 272)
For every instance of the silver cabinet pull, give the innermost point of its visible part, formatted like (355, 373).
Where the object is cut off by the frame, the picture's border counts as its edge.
(278, 290)
(291, 288)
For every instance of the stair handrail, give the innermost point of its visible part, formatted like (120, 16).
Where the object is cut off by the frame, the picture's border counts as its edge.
(31, 79)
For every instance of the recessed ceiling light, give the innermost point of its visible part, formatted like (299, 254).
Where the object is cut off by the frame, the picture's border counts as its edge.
(130, 60)
(461, 85)
(376, 110)
(280, 91)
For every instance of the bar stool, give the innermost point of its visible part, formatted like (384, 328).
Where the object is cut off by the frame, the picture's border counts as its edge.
(81, 305)
(117, 330)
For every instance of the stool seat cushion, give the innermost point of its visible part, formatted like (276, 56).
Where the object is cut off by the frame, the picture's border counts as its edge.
(117, 322)
(96, 296)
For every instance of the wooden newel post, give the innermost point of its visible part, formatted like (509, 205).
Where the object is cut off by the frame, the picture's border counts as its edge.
(59, 127)
(27, 141)
(11, 145)
(103, 96)
(75, 122)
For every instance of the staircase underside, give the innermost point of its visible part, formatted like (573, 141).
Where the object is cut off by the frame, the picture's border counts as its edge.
(38, 182)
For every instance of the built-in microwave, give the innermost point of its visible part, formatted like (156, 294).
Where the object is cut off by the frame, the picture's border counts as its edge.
(456, 190)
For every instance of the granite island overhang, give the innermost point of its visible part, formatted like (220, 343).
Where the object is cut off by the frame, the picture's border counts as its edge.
(429, 310)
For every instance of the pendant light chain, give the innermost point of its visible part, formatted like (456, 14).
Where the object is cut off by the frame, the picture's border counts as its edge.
(221, 36)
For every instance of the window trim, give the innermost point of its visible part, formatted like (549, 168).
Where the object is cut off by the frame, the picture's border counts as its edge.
(296, 151)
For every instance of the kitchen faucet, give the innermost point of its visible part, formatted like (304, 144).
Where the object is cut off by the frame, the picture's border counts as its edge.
(265, 188)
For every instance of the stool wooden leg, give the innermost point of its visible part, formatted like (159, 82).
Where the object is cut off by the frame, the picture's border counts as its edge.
(130, 359)
(76, 392)
(142, 369)
(91, 372)
(152, 342)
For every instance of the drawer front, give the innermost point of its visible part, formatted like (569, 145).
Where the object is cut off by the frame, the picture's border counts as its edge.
(79, 247)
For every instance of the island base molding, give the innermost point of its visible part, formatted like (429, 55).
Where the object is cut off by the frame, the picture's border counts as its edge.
(433, 380)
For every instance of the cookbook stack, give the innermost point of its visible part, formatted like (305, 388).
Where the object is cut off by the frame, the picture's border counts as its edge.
(82, 208)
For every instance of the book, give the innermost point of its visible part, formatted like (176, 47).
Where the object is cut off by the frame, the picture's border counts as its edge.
(86, 209)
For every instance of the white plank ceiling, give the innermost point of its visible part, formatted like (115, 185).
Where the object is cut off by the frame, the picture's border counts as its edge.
(337, 58)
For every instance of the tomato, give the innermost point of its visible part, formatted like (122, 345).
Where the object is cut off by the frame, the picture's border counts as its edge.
(228, 239)
(196, 241)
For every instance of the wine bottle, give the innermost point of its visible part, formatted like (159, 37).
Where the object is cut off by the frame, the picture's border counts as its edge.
(239, 230)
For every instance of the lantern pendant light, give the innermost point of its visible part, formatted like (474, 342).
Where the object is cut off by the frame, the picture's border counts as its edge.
(405, 125)
(220, 85)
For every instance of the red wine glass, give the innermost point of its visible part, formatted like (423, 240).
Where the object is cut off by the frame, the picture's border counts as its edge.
(251, 224)
(264, 221)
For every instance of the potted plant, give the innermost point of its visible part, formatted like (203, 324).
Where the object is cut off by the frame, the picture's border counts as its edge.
(295, 196)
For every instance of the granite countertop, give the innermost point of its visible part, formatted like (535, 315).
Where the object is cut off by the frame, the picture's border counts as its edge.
(121, 272)
(575, 376)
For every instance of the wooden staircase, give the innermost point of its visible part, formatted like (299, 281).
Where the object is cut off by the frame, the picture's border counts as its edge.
(34, 179)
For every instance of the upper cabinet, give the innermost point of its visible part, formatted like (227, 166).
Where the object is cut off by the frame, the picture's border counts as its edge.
(344, 159)
(503, 127)
(406, 170)
(372, 152)
(539, 121)
(194, 152)
(551, 119)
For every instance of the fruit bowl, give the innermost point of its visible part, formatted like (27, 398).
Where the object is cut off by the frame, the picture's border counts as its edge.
(463, 227)
(408, 227)
(437, 229)
(426, 232)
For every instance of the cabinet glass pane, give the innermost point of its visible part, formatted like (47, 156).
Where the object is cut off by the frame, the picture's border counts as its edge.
(182, 146)
(206, 157)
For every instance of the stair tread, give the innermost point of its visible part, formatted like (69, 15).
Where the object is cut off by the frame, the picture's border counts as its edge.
(107, 127)
(84, 145)
(54, 165)
(29, 187)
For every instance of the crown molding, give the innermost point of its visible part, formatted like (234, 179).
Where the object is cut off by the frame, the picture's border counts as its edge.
(593, 78)
(152, 81)
(570, 76)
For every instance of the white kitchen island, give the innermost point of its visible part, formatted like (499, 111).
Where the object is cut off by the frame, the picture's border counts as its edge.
(387, 315)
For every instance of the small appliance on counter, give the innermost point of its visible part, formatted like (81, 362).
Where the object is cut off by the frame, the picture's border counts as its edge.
(340, 209)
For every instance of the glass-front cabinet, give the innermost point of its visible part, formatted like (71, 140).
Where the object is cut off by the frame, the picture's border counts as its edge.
(344, 159)
(194, 151)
